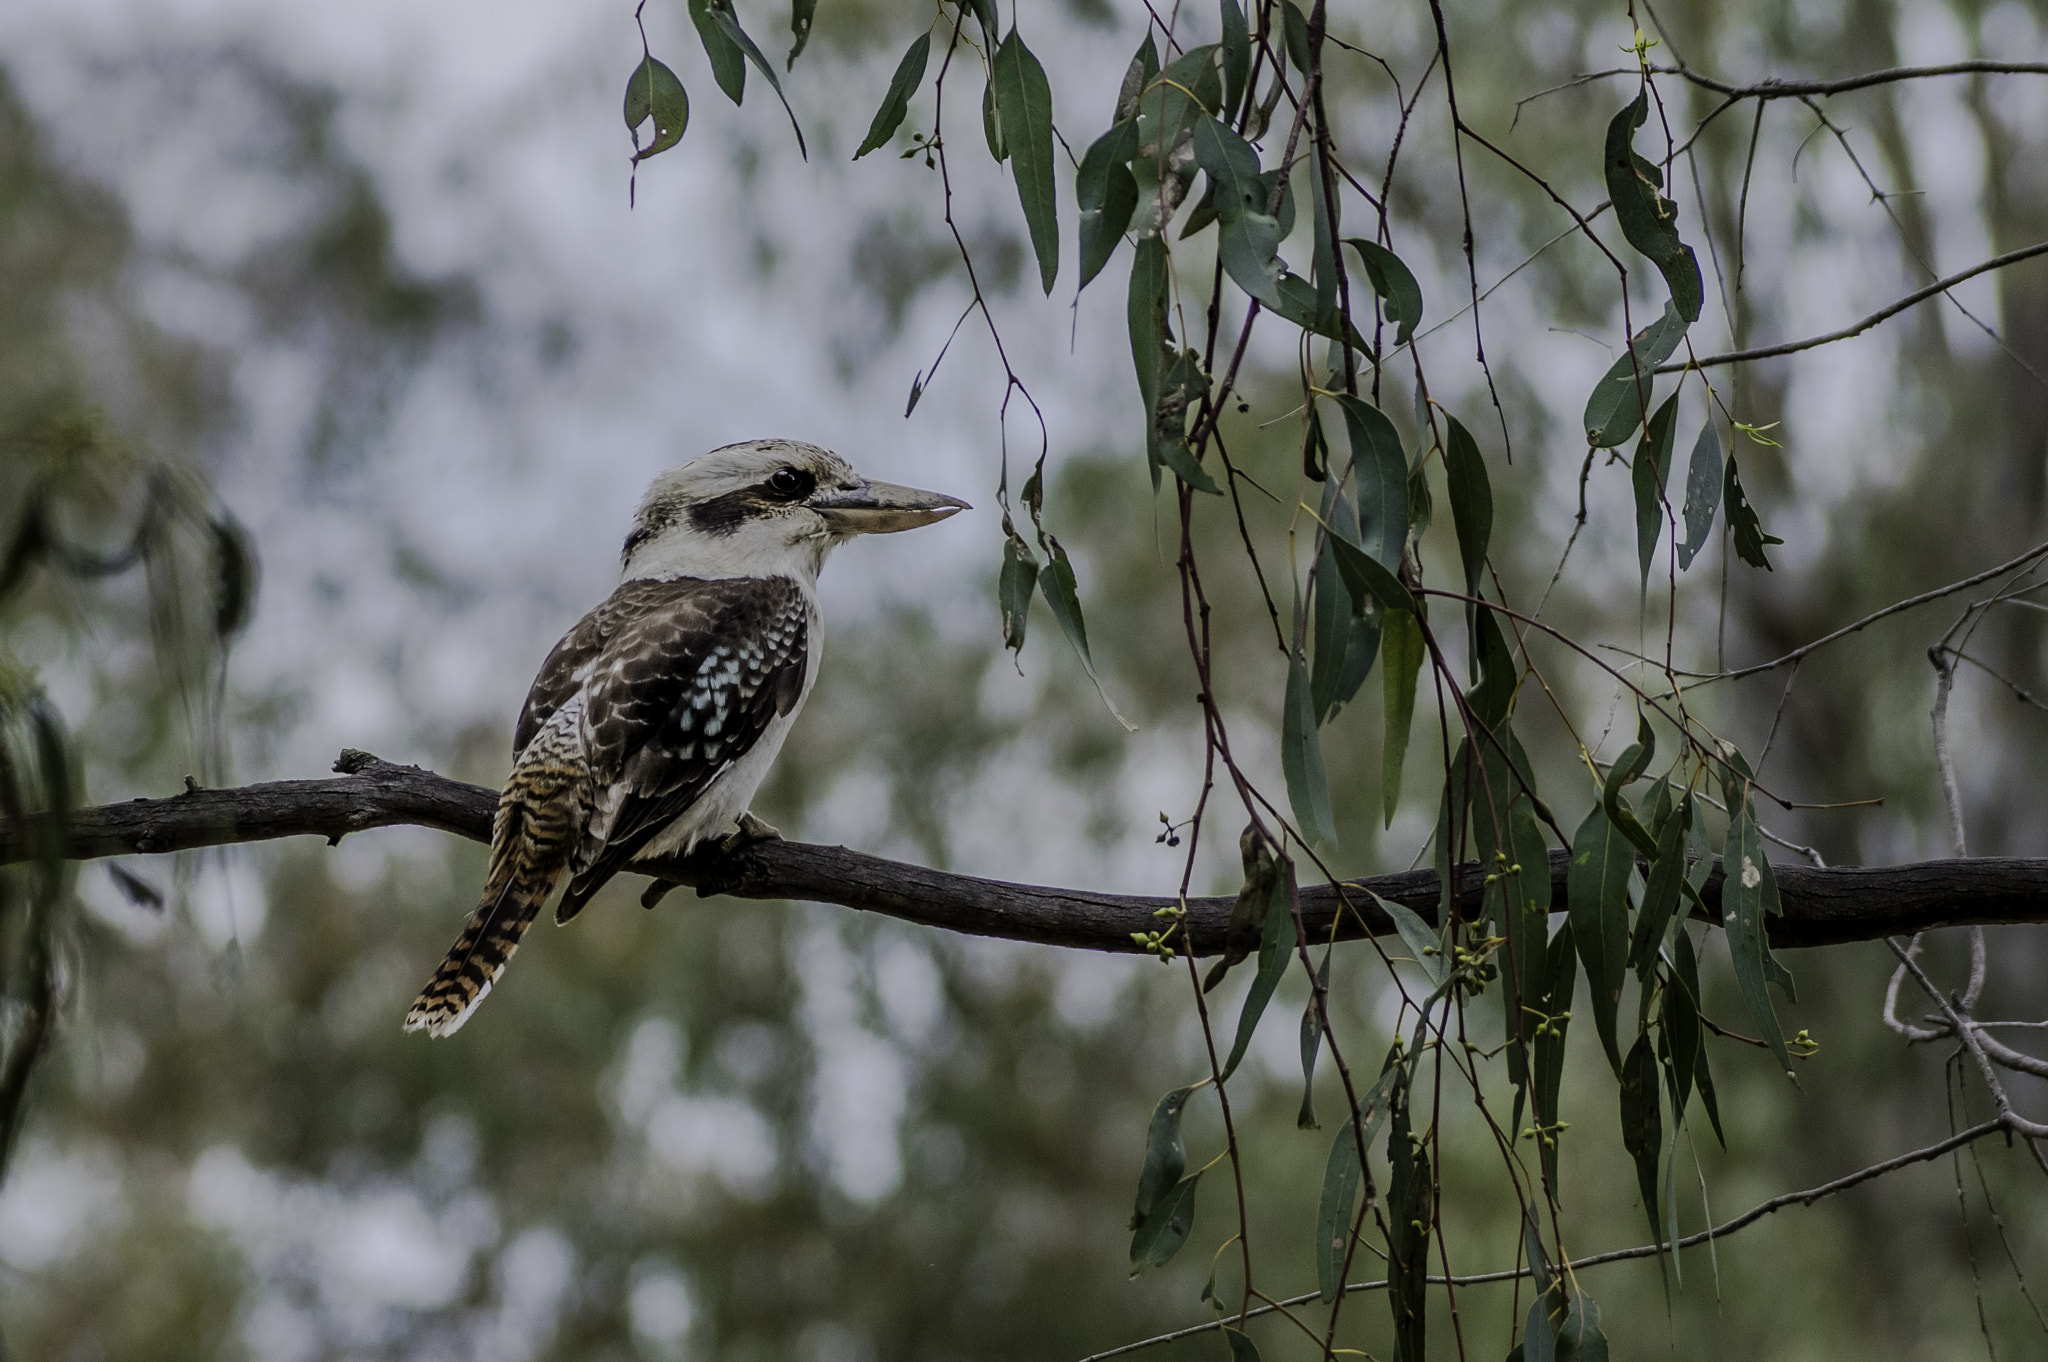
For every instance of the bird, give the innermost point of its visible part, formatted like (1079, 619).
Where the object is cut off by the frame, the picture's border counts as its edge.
(653, 721)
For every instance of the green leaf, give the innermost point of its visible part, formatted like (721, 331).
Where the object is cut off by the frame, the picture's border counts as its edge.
(1166, 1157)
(1301, 759)
(984, 12)
(1596, 890)
(1642, 1128)
(1019, 578)
(1311, 1045)
(1471, 502)
(728, 62)
(1342, 1175)
(1137, 76)
(1298, 304)
(992, 124)
(1276, 946)
(1241, 1346)
(1616, 407)
(1410, 1198)
(1107, 193)
(1661, 890)
(1248, 240)
(1394, 283)
(1748, 531)
(653, 91)
(1421, 940)
(1493, 699)
(1327, 213)
(1647, 218)
(1702, 493)
(1652, 468)
(1315, 447)
(800, 15)
(1056, 583)
(1365, 578)
(1679, 1019)
(1580, 1338)
(1749, 890)
(1628, 767)
(1401, 648)
(1154, 1243)
(1347, 632)
(1024, 100)
(1381, 467)
(1559, 987)
(1237, 55)
(1295, 28)
(728, 23)
(895, 104)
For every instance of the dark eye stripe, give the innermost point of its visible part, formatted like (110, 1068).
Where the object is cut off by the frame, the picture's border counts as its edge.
(724, 514)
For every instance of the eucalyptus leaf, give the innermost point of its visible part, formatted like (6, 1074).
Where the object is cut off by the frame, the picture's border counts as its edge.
(1301, 758)
(1248, 241)
(1580, 1338)
(1647, 218)
(1056, 583)
(1471, 502)
(1661, 889)
(1410, 1213)
(1615, 408)
(1024, 99)
(654, 92)
(728, 62)
(1346, 631)
(1547, 1082)
(1747, 530)
(1165, 1232)
(1394, 283)
(1597, 896)
(1276, 948)
(896, 103)
(1014, 589)
(1649, 472)
(1420, 938)
(1107, 194)
(1312, 1044)
(1381, 469)
(1703, 476)
(1746, 891)
(801, 12)
(1364, 577)
(1401, 651)
(727, 22)
(1642, 1129)
(1166, 1156)
(1237, 55)
(1342, 1175)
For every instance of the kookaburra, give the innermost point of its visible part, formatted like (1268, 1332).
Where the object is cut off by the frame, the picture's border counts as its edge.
(653, 721)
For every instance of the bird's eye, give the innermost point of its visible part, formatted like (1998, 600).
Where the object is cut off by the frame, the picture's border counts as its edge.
(787, 481)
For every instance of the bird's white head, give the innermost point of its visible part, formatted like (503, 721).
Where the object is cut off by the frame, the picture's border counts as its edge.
(766, 508)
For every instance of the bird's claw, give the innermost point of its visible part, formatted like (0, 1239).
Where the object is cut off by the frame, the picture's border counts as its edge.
(750, 830)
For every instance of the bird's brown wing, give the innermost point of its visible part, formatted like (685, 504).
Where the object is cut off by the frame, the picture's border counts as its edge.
(678, 694)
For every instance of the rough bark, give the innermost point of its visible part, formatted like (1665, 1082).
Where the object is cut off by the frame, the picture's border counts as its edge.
(1822, 907)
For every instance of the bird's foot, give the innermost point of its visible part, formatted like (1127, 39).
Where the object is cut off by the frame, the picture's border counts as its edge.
(750, 830)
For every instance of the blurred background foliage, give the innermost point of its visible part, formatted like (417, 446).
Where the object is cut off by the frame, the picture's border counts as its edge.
(751, 1131)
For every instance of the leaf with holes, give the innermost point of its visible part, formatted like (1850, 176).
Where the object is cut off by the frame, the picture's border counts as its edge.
(1746, 891)
(1748, 531)
(654, 92)
(1014, 588)
(1024, 101)
(895, 104)
(801, 12)
(1166, 1158)
(1702, 493)
(1647, 218)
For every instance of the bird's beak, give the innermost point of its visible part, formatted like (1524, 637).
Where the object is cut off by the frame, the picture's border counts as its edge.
(882, 507)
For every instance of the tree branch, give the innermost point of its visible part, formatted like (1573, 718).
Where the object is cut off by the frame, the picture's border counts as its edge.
(1858, 328)
(1822, 907)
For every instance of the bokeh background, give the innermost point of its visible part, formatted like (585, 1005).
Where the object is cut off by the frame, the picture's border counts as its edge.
(369, 272)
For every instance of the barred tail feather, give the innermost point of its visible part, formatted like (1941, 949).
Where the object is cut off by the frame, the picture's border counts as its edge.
(537, 822)
(479, 955)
